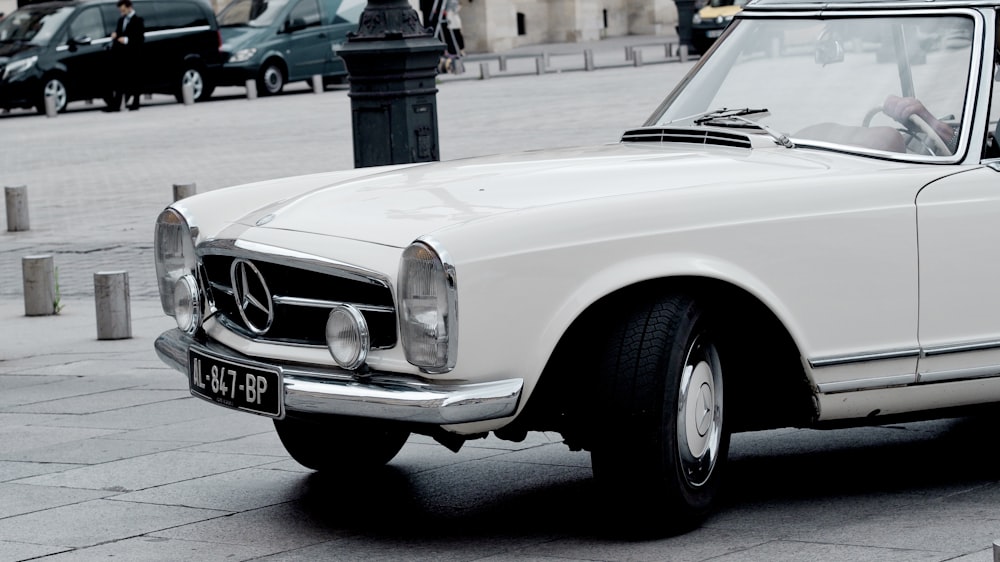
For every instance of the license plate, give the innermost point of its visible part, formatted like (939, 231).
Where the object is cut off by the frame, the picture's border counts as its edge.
(713, 33)
(240, 385)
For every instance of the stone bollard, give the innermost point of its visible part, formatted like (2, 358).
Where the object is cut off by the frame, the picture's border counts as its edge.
(637, 57)
(114, 315)
(317, 83)
(50, 106)
(484, 71)
(996, 551)
(182, 190)
(539, 65)
(503, 63)
(39, 273)
(683, 50)
(588, 60)
(16, 199)
(628, 52)
(251, 89)
(187, 93)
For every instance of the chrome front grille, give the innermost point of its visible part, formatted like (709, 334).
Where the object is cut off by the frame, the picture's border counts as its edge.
(300, 297)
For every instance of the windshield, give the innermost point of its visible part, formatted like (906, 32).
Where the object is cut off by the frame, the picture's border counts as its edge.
(837, 82)
(33, 25)
(255, 13)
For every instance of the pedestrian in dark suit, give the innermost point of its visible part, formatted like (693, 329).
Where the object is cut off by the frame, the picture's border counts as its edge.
(126, 50)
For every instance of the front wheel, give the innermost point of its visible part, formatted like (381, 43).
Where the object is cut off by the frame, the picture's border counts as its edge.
(660, 443)
(271, 79)
(193, 78)
(53, 88)
(340, 444)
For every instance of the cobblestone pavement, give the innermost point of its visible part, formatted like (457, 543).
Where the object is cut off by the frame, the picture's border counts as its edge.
(104, 454)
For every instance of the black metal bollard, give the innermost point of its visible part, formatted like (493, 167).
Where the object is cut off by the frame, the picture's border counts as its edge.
(392, 63)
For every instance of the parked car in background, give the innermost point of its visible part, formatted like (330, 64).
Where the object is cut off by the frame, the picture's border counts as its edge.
(275, 42)
(797, 237)
(708, 23)
(62, 49)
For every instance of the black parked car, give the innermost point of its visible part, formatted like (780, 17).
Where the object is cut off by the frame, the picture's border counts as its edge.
(62, 49)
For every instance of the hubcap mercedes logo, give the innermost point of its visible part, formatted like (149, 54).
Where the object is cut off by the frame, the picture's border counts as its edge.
(253, 298)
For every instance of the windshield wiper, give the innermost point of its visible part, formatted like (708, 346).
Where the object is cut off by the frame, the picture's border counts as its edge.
(724, 113)
(725, 118)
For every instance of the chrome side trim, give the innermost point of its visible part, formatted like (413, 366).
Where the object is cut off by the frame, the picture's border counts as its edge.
(961, 347)
(316, 303)
(863, 357)
(866, 384)
(959, 374)
(378, 395)
(177, 31)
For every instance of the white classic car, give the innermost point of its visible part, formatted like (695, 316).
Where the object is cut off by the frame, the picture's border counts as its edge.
(805, 233)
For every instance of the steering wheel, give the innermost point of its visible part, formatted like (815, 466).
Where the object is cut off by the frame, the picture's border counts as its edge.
(930, 139)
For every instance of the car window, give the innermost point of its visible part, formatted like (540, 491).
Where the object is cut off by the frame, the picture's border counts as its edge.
(305, 14)
(34, 25)
(88, 23)
(254, 13)
(349, 11)
(172, 15)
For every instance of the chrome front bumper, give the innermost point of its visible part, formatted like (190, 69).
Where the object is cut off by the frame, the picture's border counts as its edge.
(378, 395)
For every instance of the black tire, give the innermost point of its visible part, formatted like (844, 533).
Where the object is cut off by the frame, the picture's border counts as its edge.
(340, 444)
(660, 443)
(53, 86)
(200, 88)
(271, 79)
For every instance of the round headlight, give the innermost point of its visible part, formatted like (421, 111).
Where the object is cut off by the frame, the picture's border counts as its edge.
(347, 336)
(720, 20)
(187, 304)
(696, 19)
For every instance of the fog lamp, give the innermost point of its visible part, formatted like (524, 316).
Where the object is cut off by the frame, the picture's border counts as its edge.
(187, 304)
(347, 336)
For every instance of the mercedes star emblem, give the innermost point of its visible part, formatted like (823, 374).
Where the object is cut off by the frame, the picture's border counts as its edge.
(253, 298)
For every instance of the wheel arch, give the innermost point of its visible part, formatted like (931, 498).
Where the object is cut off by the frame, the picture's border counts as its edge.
(761, 348)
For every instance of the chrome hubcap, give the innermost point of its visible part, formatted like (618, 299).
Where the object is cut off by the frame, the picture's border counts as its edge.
(193, 78)
(699, 413)
(55, 89)
(272, 79)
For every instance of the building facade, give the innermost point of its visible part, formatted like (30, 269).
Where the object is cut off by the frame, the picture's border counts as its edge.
(497, 25)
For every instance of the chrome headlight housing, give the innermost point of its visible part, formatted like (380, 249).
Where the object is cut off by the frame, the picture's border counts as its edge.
(243, 55)
(428, 307)
(173, 252)
(19, 66)
(696, 19)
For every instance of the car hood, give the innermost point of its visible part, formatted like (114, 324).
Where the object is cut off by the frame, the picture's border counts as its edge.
(236, 37)
(9, 51)
(397, 206)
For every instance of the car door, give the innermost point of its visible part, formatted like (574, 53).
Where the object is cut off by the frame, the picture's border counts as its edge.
(958, 220)
(307, 43)
(342, 17)
(85, 53)
(959, 230)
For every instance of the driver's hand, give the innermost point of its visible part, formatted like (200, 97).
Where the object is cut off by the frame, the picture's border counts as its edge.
(901, 109)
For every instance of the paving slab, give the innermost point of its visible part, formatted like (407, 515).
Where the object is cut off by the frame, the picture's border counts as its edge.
(91, 451)
(147, 471)
(97, 521)
(14, 552)
(156, 549)
(18, 499)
